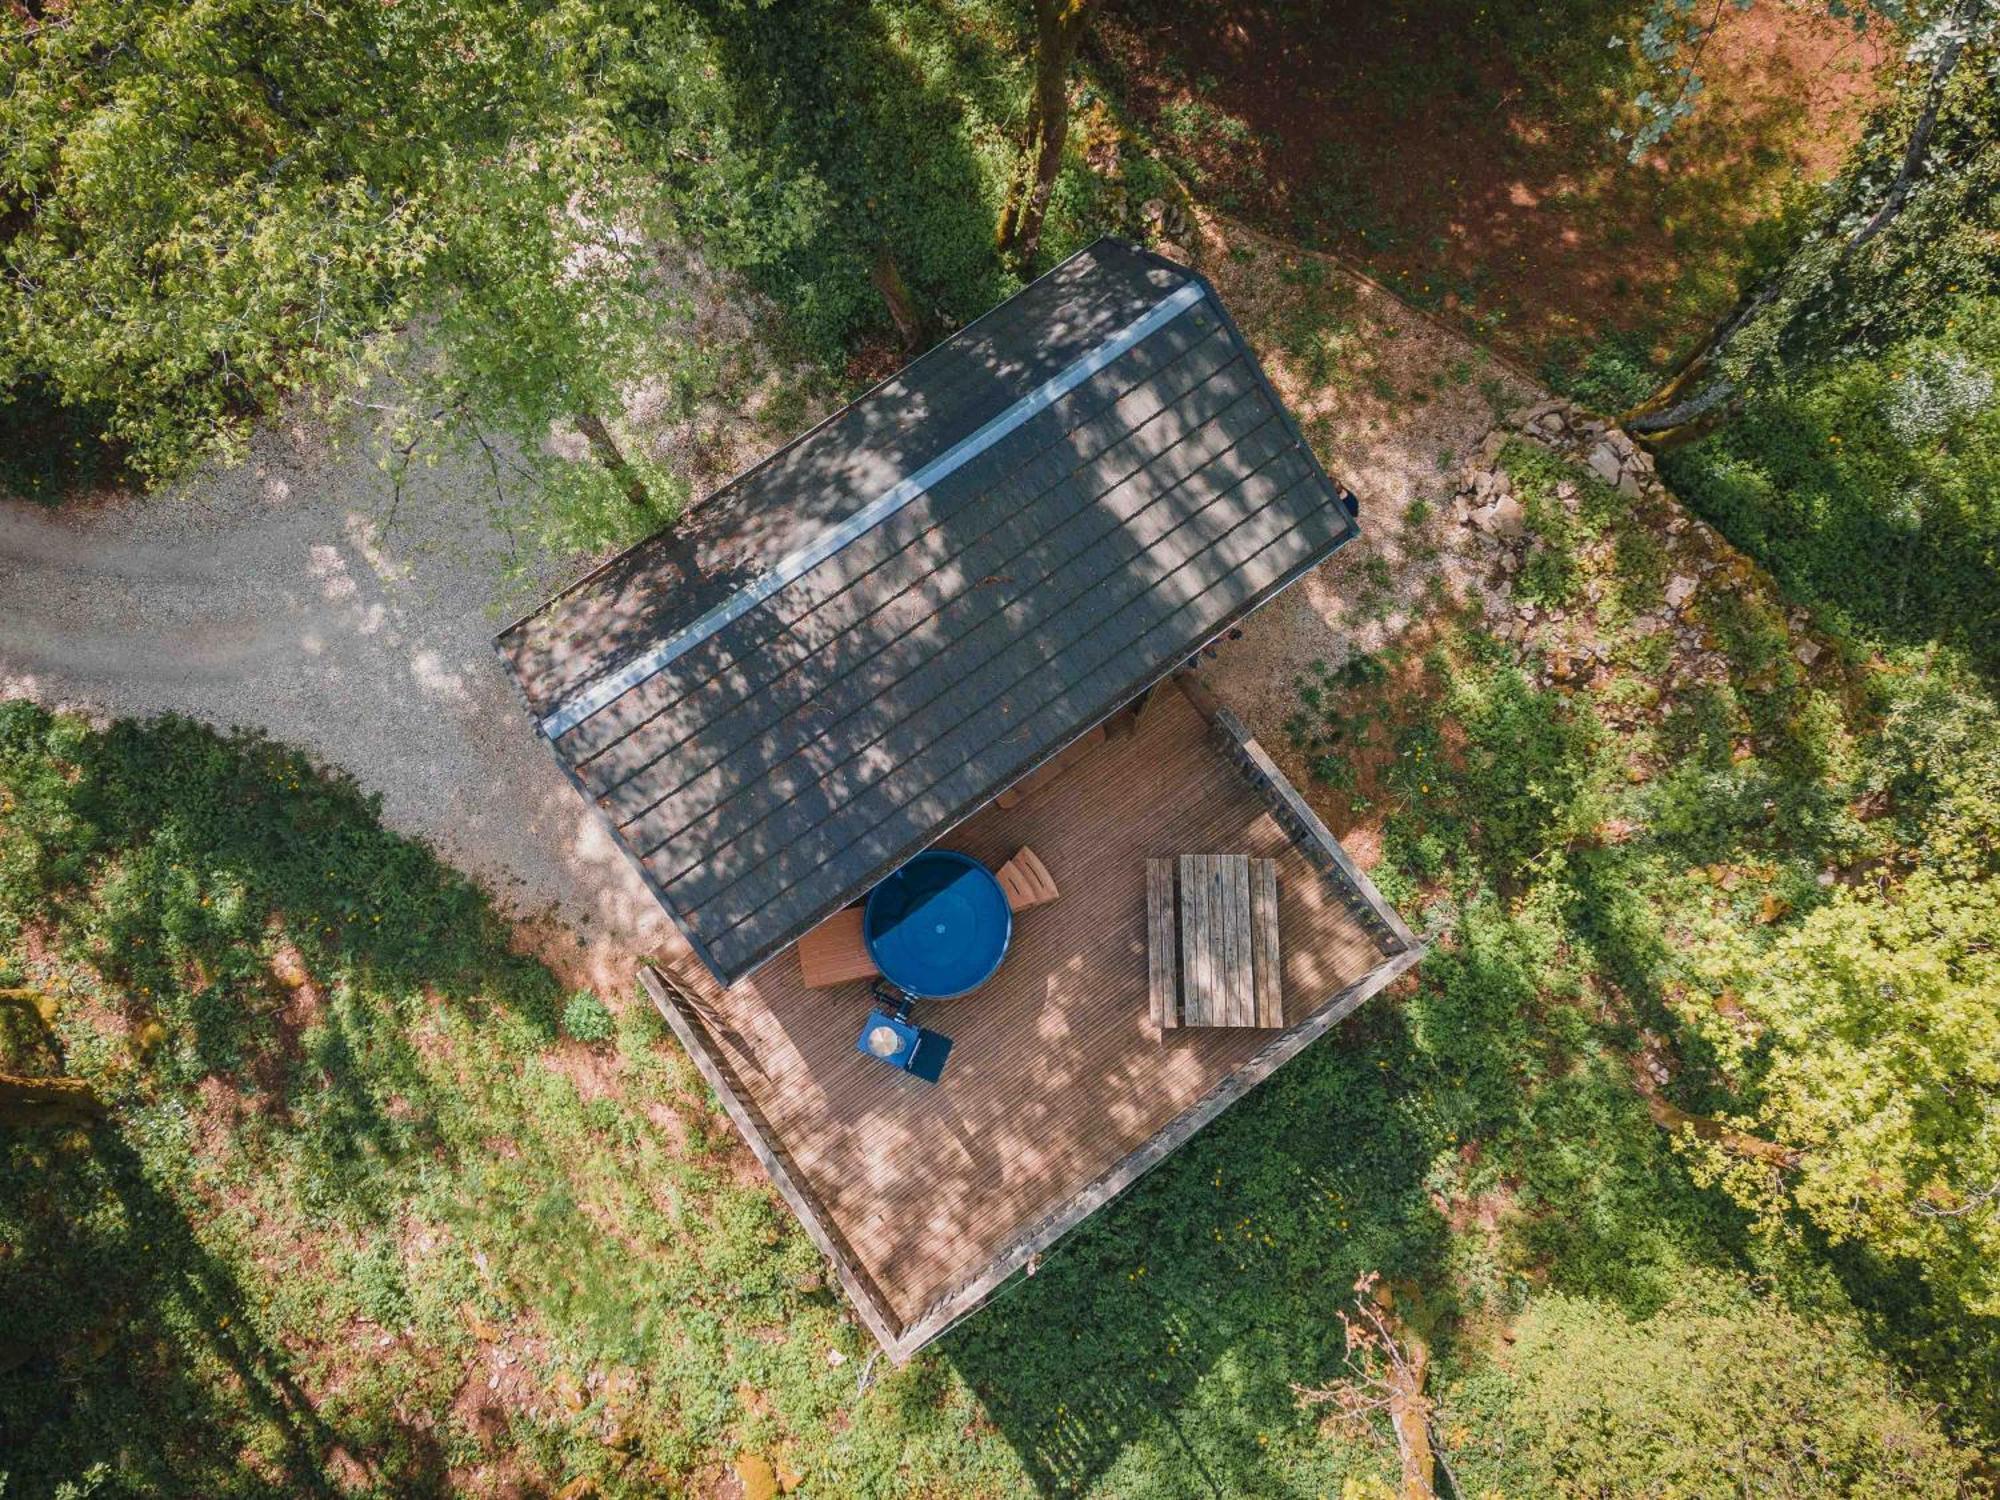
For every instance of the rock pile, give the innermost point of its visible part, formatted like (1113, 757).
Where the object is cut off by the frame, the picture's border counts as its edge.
(1574, 647)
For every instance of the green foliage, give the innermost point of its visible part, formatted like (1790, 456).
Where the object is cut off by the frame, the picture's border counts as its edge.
(796, 142)
(1619, 850)
(212, 217)
(1871, 485)
(1868, 1042)
(586, 1018)
(1936, 763)
(1909, 281)
(1610, 375)
(1716, 1393)
(1528, 766)
(49, 450)
(1323, 728)
(192, 242)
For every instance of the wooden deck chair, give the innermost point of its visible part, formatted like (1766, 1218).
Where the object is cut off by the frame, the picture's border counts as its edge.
(833, 952)
(1026, 881)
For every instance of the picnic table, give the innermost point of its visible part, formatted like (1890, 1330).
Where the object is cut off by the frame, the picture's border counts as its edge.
(1212, 941)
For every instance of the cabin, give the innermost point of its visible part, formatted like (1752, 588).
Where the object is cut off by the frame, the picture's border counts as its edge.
(985, 903)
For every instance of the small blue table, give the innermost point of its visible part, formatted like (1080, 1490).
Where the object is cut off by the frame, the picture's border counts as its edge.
(939, 926)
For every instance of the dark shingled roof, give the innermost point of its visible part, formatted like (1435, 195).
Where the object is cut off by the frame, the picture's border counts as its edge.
(861, 640)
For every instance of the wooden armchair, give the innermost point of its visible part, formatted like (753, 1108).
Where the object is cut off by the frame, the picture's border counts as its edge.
(1026, 881)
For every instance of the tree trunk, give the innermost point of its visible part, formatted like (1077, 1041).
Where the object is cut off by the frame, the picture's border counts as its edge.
(609, 454)
(1669, 418)
(1409, 1408)
(1942, 67)
(1671, 1117)
(911, 325)
(47, 1101)
(1059, 27)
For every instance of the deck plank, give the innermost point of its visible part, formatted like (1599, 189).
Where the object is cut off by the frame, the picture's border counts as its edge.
(1269, 975)
(1056, 1072)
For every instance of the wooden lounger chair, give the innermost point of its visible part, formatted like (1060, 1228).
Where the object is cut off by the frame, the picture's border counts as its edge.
(834, 953)
(1026, 881)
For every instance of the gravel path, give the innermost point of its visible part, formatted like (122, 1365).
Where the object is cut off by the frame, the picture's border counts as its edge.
(273, 595)
(277, 595)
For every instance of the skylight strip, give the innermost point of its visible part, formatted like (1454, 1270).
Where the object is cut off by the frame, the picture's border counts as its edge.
(573, 711)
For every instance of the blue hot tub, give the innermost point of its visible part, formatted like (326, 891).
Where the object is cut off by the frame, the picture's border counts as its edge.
(939, 926)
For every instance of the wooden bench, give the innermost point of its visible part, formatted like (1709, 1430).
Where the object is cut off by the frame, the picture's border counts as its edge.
(835, 953)
(1212, 954)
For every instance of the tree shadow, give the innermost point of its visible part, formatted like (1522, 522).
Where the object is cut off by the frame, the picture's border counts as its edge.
(1463, 151)
(1163, 1337)
(182, 866)
(1874, 534)
(137, 1346)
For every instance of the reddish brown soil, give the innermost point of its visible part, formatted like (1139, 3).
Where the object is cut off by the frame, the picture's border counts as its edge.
(1463, 155)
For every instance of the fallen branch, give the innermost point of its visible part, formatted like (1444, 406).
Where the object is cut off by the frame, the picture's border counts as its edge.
(47, 1101)
(1672, 1118)
(1389, 1364)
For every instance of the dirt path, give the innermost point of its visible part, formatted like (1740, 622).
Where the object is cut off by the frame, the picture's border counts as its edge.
(276, 595)
(1394, 403)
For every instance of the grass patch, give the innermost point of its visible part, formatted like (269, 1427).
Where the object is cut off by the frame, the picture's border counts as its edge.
(359, 1216)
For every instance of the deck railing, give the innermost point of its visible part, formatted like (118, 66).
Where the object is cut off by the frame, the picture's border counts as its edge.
(1312, 837)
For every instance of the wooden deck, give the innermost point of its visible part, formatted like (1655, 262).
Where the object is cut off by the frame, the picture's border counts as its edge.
(1059, 1078)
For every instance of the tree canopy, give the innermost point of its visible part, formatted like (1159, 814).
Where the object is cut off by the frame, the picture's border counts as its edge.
(1714, 1394)
(215, 207)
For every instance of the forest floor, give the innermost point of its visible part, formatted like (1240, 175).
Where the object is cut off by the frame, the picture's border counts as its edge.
(1463, 154)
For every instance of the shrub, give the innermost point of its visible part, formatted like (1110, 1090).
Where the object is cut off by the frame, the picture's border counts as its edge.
(585, 1018)
(1715, 1394)
(1871, 487)
(1873, 1053)
(1528, 767)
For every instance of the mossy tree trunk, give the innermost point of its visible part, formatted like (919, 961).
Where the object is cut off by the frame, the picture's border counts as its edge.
(605, 447)
(1059, 28)
(911, 325)
(27, 1100)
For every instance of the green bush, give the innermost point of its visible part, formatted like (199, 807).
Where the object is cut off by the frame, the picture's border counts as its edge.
(586, 1019)
(1871, 486)
(1528, 768)
(1717, 1393)
(796, 142)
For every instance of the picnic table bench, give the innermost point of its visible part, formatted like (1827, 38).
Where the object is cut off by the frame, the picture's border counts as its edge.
(1212, 941)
